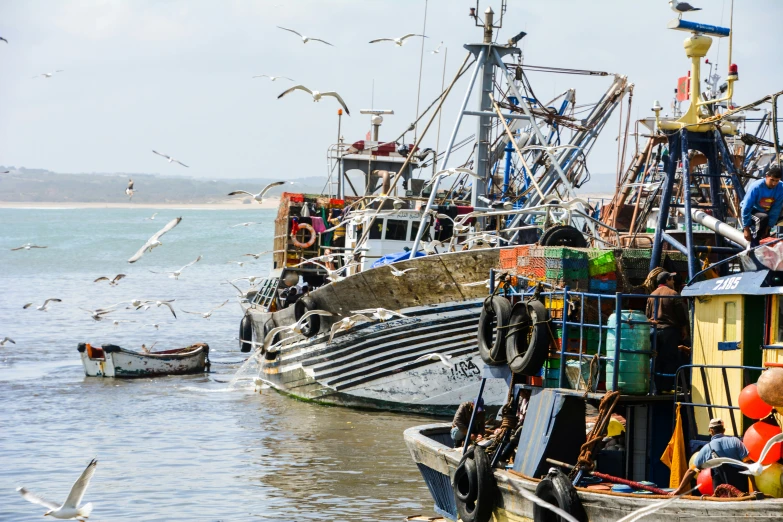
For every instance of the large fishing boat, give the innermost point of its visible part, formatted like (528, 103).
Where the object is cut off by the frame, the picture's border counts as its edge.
(555, 448)
(394, 330)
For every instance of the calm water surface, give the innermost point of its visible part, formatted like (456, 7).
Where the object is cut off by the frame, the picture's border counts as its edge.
(171, 448)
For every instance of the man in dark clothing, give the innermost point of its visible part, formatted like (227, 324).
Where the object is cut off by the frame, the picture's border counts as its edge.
(459, 426)
(670, 323)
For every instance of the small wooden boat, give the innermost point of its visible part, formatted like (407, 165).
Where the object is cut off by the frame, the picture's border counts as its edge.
(112, 361)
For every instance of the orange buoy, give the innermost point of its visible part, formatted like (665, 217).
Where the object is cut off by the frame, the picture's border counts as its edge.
(770, 386)
(704, 481)
(751, 405)
(756, 437)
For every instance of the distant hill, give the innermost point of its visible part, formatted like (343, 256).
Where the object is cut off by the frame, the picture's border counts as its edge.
(23, 185)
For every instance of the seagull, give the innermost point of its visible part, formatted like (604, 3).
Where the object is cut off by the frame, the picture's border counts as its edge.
(458, 227)
(436, 51)
(154, 325)
(398, 203)
(304, 38)
(27, 246)
(98, 314)
(260, 196)
(256, 256)
(477, 283)
(154, 241)
(112, 282)
(3, 39)
(431, 246)
(398, 41)
(47, 75)
(652, 508)
(273, 78)
(117, 322)
(247, 224)
(207, 315)
(162, 303)
(152, 217)
(129, 189)
(381, 314)
(176, 273)
(400, 273)
(753, 468)
(682, 7)
(317, 95)
(70, 508)
(7, 340)
(346, 323)
(451, 172)
(44, 307)
(436, 357)
(295, 328)
(240, 263)
(240, 293)
(250, 279)
(170, 158)
(333, 275)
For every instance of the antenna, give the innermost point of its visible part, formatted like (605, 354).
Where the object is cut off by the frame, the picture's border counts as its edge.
(376, 119)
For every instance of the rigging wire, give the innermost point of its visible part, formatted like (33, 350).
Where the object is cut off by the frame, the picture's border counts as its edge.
(421, 65)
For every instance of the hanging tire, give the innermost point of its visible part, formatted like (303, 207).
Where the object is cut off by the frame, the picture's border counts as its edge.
(563, 235)
(527, 343)
(245, 334)
(493, 322)
(465, 481)
(480, 508)
(556, 489)
(312, 326)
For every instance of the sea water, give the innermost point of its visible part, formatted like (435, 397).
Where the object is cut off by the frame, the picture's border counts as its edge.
(179, 447)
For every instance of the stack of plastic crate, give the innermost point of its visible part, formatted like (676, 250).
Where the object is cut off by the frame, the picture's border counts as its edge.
(635, 264)
(603, 271)
(566, 267)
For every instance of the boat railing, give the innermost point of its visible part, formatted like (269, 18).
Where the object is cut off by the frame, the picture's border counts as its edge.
(585, 311)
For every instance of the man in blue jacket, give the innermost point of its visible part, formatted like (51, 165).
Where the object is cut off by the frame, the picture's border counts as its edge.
(761, 206)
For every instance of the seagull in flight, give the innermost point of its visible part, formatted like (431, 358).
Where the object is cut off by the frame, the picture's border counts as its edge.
(240, 263)
(27, 246)
(112, 282)
(154, 241)
(317, 95)
(256, 256)
(273, 78)
(400, 273)
(451, 172)
(435, 357)
(147, 304)
(458, 227)
(176, 273)
(3, 39)
(129, 189)
(397, 41)
(7, 340)
(751, 468)
(346, 323)
(152, 217)
(437, 50)
(170, 158)
(246, 224)
(47, 75)
(154, 325)
(682, 7)
(295, 328)
(260, 196)
(304, 38)
(380, 314)
(45, 306)
(98, 314)
(249, 279)
(70, 508)
(207, 315)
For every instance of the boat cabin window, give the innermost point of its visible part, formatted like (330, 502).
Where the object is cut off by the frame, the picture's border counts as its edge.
(730, 321)
(376, 229)
(414, 229)
(396, 229)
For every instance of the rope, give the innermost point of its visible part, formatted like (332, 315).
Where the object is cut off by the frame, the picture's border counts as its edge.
(593, 368)
(586, 460)
(650, 284)
(421, 64)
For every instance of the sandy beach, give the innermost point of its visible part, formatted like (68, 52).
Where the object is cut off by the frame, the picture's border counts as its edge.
(228, 205)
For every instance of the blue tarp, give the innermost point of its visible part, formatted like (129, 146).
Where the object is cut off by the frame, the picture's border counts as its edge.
(393, 258)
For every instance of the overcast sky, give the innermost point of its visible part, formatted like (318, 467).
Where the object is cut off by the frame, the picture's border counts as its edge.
(175, 75)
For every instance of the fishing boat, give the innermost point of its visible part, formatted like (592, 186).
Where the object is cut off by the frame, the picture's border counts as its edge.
(113, 361)
(553, 443)
(413, 257)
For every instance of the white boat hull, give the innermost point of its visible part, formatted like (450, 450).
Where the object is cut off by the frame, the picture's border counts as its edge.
(121, 363)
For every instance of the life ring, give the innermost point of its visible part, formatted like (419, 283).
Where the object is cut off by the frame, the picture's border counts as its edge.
(309, 242)
(478, 509)
(556, 489)
(493, 322)
(527, 342)
(312, 325)
(563, 235)
(245, 334)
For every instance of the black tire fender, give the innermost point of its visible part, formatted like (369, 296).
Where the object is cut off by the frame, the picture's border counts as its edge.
(556, 489)
(480, 509)
(527, 343)
(563, 235)
(465, 481)
(245, 334)
(494, 321)
(312, 326)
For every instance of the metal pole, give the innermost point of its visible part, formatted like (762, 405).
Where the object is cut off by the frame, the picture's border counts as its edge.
(425, 217)
(686, 198)
(473, 415)
(663, 207)
(340, 172)
(483, 132)
(618, 315)
(564, 339)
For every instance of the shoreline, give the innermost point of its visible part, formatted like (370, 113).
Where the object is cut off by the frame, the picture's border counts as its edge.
(270, 203)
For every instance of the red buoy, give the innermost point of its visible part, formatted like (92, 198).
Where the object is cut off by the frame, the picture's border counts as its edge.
(704, 480)
(756, 437)
(751, 405)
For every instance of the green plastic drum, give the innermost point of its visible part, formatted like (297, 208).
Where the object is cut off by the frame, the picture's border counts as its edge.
(634, 368)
